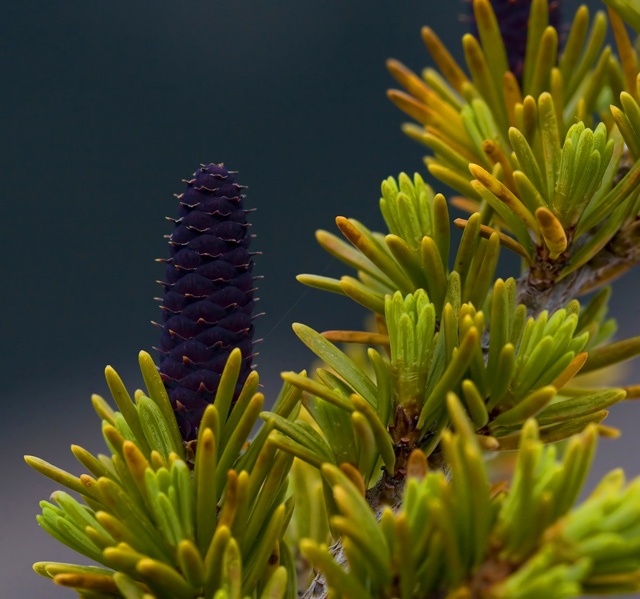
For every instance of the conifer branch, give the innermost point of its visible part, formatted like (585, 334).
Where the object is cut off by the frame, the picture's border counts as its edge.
(367, 479)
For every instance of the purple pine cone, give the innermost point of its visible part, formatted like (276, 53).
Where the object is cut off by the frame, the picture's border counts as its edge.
(208, 294)
(513, 20)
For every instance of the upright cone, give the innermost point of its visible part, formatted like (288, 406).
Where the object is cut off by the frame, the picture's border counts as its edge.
(208, 294)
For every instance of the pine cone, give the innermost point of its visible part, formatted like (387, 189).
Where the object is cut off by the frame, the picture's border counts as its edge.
(208, 294)
(513, 21)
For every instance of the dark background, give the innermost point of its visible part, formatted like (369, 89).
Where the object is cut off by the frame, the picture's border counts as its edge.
(105, 107)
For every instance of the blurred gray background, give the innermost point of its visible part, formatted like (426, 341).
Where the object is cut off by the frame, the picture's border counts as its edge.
(105, 107)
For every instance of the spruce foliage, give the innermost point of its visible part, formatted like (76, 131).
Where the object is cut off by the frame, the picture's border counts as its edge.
(384, 473)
